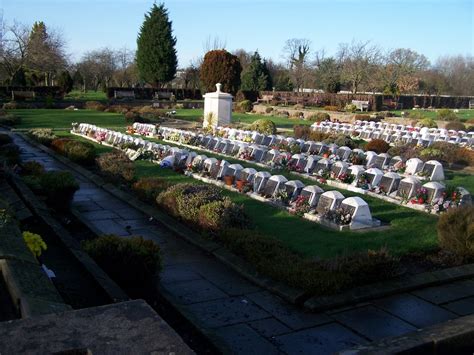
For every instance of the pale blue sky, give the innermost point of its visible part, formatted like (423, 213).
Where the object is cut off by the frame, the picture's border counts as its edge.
(431, 27)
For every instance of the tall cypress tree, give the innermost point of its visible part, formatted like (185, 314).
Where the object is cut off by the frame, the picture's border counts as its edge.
(156, 53)
(256, 76)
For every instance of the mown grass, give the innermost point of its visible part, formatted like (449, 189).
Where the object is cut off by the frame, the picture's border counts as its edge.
(463, 114)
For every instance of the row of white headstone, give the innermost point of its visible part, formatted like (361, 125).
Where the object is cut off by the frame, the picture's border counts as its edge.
(392, 183)
(392, 133)
(312, 152)
(261, 182)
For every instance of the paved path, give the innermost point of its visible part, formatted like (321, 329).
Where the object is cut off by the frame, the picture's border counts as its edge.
(246, 318)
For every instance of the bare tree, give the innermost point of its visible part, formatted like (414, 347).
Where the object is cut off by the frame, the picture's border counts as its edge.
(125, 74)
(97, 68)
(213, 43)
(13, 48)
(459, 72)
(359, 60)
(296, 52)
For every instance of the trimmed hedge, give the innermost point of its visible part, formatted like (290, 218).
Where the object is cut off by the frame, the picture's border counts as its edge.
(456, 231)
(264, 126)
(79, 152)
(116, 166)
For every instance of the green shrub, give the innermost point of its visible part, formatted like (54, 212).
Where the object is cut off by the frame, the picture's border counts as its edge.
(446, 115)
(427, 122)
(363, 117)
(417, 115)
(456, 231)
(268, 109)
(116, 166)
(9, 154)
(319, 117)
(42, 135)
(405, 151)
(343, 140)
(77, 151)
(149, 188)
(331, 108)
(10, 120)
(431, 153)
(35, 243)
(32, 168)
(5, 139)
(378, 146)
(219, 215)
(131, 262)
(151, 113)
(350, 108)
(245, 106)
(58, 187)
(457, 126)
(264, 126)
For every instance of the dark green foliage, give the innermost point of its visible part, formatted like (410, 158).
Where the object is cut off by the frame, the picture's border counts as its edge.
(328, 75)
(378, 146)
(256, 76)
(456, 231)
(319, 117)
(219, 66)
(65, 81)
(9, 154)
(32, 168)
(156, 54)
(244, 106)
(58, 187)
(446, 115)
(264, 126)
(78, 80)
(132, 262)
(219, 215)
(343, 140)
(148, 188)
(116, 166)
(5, 139)
(19, 78)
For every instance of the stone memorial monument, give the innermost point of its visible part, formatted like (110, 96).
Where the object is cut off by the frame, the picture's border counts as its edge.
(217, 108)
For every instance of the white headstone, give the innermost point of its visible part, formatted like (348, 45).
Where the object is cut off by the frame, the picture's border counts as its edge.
(413, 166)
(434, 170)
(217, 108)
(359, 211)
(312, 192)
(435, 189)
(329, 200)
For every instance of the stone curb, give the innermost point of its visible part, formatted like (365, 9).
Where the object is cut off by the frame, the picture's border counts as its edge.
(387, 288)
(454, 336)
(103, 280)
(288, 293)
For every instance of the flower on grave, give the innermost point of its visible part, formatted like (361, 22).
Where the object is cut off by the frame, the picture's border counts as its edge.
(338, 216)
(282, 196)
(130, 130)
(301, 205)
(100, 136)
(363, 181)
(346, 178)
(75, 126)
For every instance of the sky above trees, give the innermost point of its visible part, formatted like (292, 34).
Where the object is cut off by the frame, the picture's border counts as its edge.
(431, 27)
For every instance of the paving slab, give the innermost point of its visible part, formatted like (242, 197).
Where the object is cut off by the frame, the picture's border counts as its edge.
(108, 226)
(373, 323)
(462, 307)
(228, 311)
(270, 327)
(99, 215)
(241, 339)
(87, 206)
(324, 339)
(447, 293)
(287, 314)
(194, 291)
(415, 310)
(173, 274)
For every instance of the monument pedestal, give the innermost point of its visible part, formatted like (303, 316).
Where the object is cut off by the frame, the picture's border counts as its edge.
(217, 108)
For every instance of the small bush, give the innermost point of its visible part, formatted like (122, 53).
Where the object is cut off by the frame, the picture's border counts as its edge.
(343, 140)
(297, 114)
(405, 151)
(58, 187)
(331, 108)
(77, 151)
(386, 114)
(5, 139)
(456, 231)
(10, 120)
(457, 126)
(116, 166)
(350, 108)
(151, 113)
(245, 106)
(317, 136)
(131, 117)
(192, 197)
(268, 109)
(9, 154)
(12, 105)
(363, 117)
(282, 113)
(149, 188)
(446, 115)
(264, 126)
(417, 115)
(32, 168)
(42, 135)
(301, 131)
(427, 122)
(378, 146)
(35, 243)
(319, 117)
(95, 105)
(219, 215)
(132, 263)
(431, 153)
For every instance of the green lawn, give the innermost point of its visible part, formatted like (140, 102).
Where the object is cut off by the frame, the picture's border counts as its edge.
(54, 118)
(464, 114)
